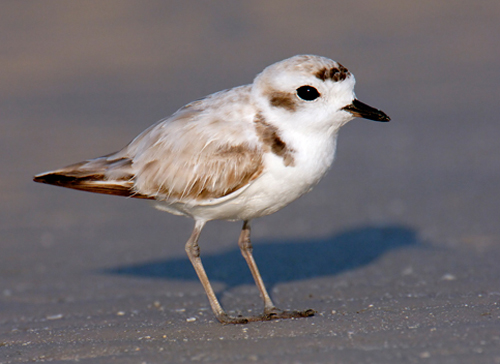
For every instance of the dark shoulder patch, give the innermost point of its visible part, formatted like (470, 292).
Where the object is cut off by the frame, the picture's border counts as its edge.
(335, 74)
(269, 136)
(284, 100)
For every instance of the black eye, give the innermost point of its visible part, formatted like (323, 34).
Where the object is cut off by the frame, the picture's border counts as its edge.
(307, 93)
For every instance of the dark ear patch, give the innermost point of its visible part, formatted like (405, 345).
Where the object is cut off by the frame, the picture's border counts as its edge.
(284, 100)
(335, 74)
(269, 136)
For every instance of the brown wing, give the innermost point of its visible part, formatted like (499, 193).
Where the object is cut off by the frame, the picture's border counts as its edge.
(216, 172)
(206, 150)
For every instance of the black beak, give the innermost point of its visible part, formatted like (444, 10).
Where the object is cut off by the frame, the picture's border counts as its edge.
(360, 110)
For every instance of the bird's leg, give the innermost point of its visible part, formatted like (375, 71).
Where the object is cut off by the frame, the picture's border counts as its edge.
(270, 310)
(246, 250)
(193, 252)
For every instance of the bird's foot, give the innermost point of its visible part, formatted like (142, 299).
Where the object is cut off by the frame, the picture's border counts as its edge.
(268, 315)
(277, 314)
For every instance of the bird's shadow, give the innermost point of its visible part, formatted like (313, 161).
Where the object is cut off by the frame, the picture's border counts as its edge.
(285, 261)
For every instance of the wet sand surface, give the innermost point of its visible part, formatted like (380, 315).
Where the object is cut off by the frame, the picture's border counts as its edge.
(397, 249)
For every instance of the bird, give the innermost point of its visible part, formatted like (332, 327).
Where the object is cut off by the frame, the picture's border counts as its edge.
(236, 155)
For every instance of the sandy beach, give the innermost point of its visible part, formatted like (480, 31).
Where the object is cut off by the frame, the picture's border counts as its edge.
(397, 248)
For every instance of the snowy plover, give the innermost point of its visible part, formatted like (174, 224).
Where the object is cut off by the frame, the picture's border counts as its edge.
(235, 155)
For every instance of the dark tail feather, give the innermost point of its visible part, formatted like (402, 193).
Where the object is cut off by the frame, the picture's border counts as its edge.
(90, 176)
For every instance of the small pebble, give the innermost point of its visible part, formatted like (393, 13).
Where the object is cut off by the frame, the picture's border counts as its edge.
(425, 355)
(448, 277)
(55, 317)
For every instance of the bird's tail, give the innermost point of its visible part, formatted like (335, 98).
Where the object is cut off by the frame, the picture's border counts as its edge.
(101, 175)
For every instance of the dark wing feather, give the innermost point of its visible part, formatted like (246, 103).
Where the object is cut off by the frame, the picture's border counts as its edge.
(91, 176)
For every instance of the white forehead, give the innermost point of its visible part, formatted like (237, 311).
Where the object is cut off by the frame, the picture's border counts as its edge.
(301, 70)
